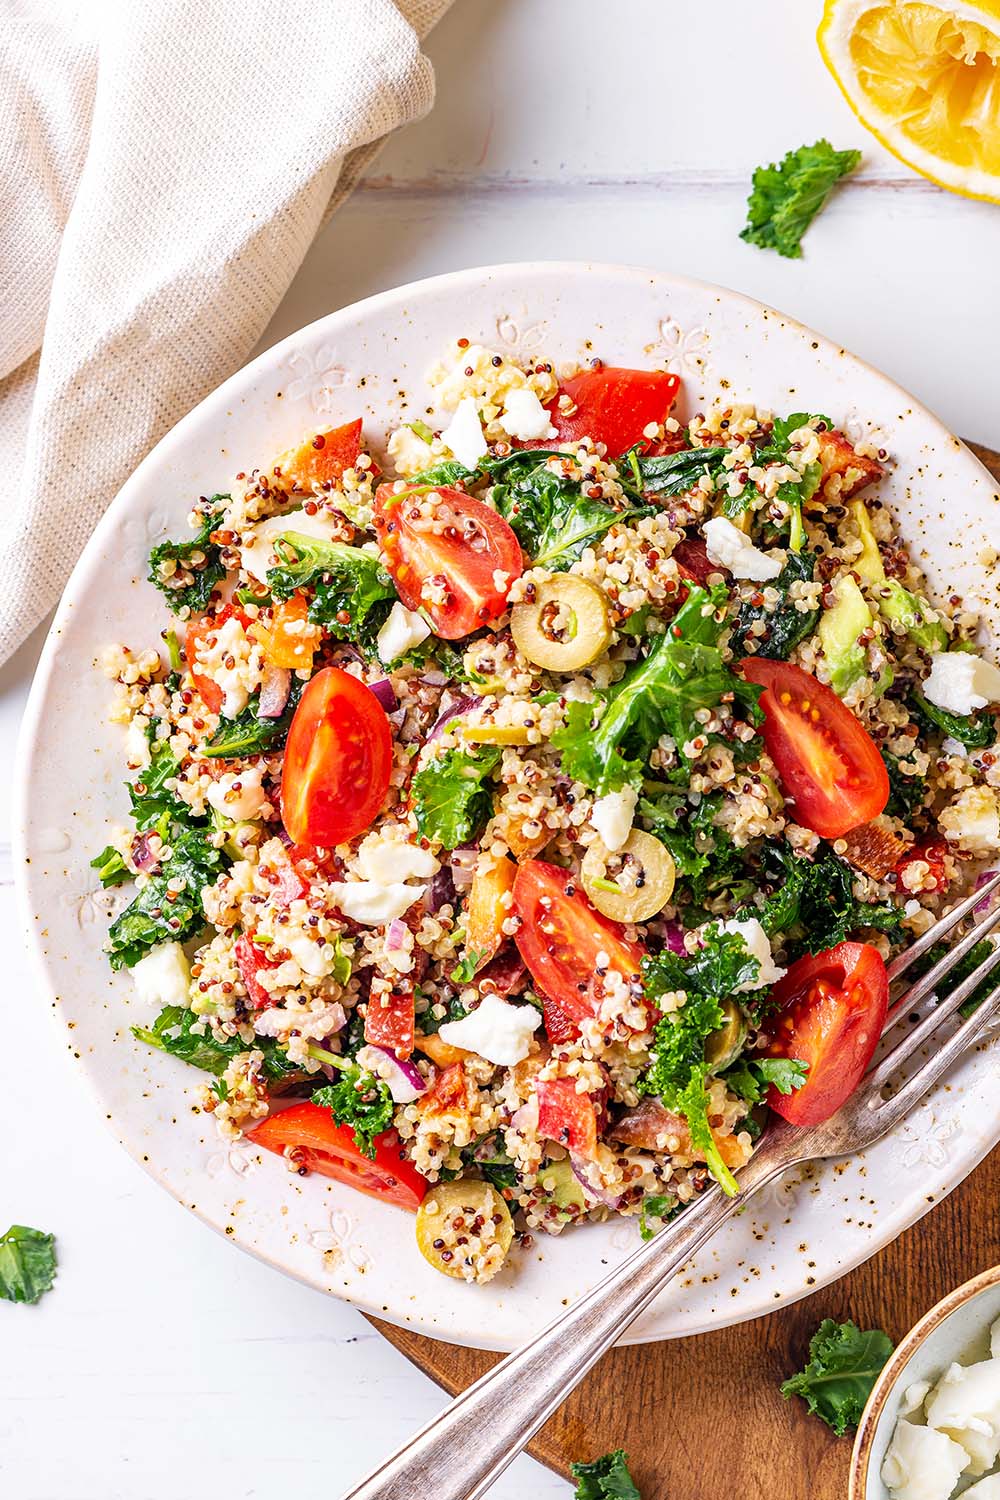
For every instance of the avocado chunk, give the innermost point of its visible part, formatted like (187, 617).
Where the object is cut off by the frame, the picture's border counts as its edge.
(839, 627)
(896, 604)
(557, 1184)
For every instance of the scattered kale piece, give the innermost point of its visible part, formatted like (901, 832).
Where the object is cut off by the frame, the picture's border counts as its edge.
(552, 518)
(434, 652)
(706, 860)
(111, 867)
(448, 471)
(906, 792)
(659, 1207)
(27, 1263)
(975, 731)
(678, 1072)
(430, 1024)
(751, 1078)
(173, 1032)
(195, 595)
(787, 196)
(676, 473)
(792, 492)
(353, 593)
(606, 1478)
(976, 955)
(361, 1101)
(149, 795)
(786, 626)
(249, 734)
(452, 797)
(157, 914)
(814, 899)
(683, 672)
(844, 1363)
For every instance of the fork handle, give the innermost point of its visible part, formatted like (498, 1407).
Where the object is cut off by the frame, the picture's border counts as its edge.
(461, 1452)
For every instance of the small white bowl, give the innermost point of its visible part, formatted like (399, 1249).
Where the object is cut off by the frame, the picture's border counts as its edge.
(957, 1328)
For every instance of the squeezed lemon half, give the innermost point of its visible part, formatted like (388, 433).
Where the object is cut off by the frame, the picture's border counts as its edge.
(924, 79)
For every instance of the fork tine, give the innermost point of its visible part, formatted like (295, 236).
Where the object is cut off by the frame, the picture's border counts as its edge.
(929, 982)
(889, 1112)
(941, 928)
(908, 1044)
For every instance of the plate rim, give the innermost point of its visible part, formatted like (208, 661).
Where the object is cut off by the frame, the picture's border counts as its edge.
(116, 511)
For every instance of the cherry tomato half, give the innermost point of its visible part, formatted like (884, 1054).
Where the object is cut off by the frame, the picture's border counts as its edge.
(828, 762)
(566, 1116)
(444, 554)
(195, 639)
(337, 761)
(833, 1008)
(613, 406)
(319, 1145)
(560, 938)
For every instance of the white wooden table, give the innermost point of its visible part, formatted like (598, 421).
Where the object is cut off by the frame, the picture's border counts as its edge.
(165, 1364)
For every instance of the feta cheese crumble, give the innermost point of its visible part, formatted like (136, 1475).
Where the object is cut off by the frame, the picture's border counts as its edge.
(497, 1030)
(612, 816)
(727, 546)
(163, 976)
(464, 434)
(373, 904)
(238, 794)
(759, 947)
(524, 417)
(404, 628)
(961, 682)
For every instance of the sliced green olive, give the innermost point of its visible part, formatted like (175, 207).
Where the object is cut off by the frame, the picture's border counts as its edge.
(460, 1220)
(725, 1044)
(565, 627)
(642, 881)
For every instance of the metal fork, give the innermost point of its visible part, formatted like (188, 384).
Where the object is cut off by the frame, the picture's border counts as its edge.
(459, 1454)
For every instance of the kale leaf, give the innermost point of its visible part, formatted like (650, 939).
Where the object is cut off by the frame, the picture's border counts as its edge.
(814, 897)
(705, 857)
(660, 695)
(361, 1101)
(203, 574)
(787, 196)
(452, 797)
(27, 1263)
(678, 1071)
(174, 1032)
(751, 1078)
(907, 792)
(975, 731)
(149, 795)
(660, 1206)
(552, 518)
(791, 492)
(248, 734)
(159, 913)
(976, 955)
(352, 592)
(786, 625)
(111, 867)
(676, 473)
(606, 1478)
(844, 1364)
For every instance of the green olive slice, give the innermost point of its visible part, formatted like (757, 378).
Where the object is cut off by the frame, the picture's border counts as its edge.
(460, 1227)
(566, 626)
(724, 1045)
(634, 883)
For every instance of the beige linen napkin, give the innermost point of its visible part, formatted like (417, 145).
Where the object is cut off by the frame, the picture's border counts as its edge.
(163, 171)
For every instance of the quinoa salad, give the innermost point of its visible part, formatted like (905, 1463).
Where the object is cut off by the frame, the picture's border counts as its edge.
(523, 810)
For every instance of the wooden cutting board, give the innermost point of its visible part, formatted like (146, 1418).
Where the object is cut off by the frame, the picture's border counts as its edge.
(703, 1416)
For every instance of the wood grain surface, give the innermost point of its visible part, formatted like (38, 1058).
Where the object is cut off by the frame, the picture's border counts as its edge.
(697, 1414)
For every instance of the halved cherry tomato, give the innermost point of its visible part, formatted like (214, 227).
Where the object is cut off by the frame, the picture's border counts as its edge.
(613, 406)
(250, 960)
(562, 938)
(337, 761)
(691, 557)
(827, 760)
(195, 637)
(306, 1134)
(932, 854)
(832, 1010)
(566, 1116)
(288, 638)
(389, 1020)
(444, 555)
(321, 460)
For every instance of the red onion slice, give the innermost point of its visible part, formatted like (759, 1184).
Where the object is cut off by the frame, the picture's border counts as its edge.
(675, 938)
(981, 880)
(274, 690)
(463, 865)
(459, 706)
(395, 936)
(142, 856)
(589, 1179)
(385, 694)
(405, 1080)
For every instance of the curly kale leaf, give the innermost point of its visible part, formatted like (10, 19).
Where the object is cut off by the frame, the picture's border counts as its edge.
(552, 518)
(361, 1101)
(452, 798)
(814, 899)
(786, 625)
(606, 1478)
(705, 858)
(844, 1363)
(352, 592)
(248, 734)
(676, 473)
(198, 560)
(751, 1080)
(660, 695)
(787, 196)
(975, 731)
(907, 792)
(27, 1263)
(161, 913)
(174, 1032)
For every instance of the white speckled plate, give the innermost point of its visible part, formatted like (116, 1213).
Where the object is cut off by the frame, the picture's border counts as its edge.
(372, 358)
